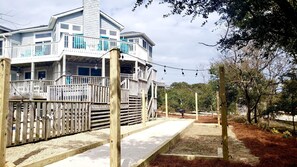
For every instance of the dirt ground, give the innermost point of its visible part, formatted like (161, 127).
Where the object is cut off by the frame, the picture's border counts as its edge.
(251, 147)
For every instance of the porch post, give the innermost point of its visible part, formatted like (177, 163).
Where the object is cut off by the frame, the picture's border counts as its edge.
(103, 72)
(136, 70)
(115, 102)
(64, 70)
(222, 94)
(4, 93)
(59, 69)
(32, 80)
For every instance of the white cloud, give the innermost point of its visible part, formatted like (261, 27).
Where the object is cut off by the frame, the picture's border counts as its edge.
(176, 37)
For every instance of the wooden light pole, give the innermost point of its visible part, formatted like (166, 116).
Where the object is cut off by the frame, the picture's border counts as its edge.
(166, 105)
(115, 110)
(196, 102)
(4, 93)
(143, 108)
(218, 106)
(224, 113)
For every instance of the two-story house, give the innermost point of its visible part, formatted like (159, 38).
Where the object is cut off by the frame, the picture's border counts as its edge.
(57, 61)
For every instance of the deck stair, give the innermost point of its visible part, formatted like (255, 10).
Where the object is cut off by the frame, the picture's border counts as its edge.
(130, 114)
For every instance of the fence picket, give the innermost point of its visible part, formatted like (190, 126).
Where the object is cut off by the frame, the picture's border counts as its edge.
(17, 123)
(25, 123)
(43, 116)
(38, 118)
(31, 119)
(10, 125)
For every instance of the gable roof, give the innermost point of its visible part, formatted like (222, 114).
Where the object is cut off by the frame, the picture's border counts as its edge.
(28, 29)
(137, 34)
(55, 17)
(5, 29)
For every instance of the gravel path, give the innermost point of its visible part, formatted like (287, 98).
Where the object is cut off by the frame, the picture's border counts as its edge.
(205, 139)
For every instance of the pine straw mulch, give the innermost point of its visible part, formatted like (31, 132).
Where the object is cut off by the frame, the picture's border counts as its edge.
(272, 149)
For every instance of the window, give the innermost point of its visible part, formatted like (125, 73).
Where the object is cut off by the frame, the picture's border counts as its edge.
(43, 35)
(150, 51)
(95, 72)
(102, 32)
(76, 28)
(41, 74)
(27, 75)
(87, 71)
(113, 33)
(113, 42)
(1, 47)
(83, 71)
(64, 26)
(144, 43)
(43, 48)
(42, 41)
(136, 40)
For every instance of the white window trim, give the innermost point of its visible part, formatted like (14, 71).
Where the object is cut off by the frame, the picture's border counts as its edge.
(59, 30)
(43, 39)
(70, 30)
(117, 37)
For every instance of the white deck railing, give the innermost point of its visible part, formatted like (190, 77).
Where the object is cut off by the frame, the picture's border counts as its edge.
(23, 88)
(77, 45)
(83, 92)
(34, 50)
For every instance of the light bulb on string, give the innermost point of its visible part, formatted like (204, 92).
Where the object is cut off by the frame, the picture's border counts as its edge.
(165, 69)
(183, 72)
(196, 73)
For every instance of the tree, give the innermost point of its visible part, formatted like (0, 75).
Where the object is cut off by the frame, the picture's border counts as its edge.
(267, 24)
(255, 78)
(182, 95)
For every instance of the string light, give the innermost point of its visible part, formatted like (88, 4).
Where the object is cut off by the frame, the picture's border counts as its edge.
(183, 72)
(196, 73)
(168, 67)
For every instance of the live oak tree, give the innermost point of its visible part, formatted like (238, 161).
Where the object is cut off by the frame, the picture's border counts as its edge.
(256, 79)
(267, 24)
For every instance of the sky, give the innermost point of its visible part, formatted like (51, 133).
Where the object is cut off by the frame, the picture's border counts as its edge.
(176, 37)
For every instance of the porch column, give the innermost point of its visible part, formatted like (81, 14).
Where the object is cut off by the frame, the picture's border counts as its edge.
(64, 70)
(136, 70)
(146, 72)
(59, 69)
(103, 72)
(32, 79)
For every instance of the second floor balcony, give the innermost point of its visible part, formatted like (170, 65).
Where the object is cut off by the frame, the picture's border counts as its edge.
(74, 45)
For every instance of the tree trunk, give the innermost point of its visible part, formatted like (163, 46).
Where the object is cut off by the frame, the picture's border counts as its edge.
(255, 114)
(248, 115)
(248, 103)
(294, 125)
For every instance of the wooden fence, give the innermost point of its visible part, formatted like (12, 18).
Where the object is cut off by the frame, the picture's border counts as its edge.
(31, 121)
